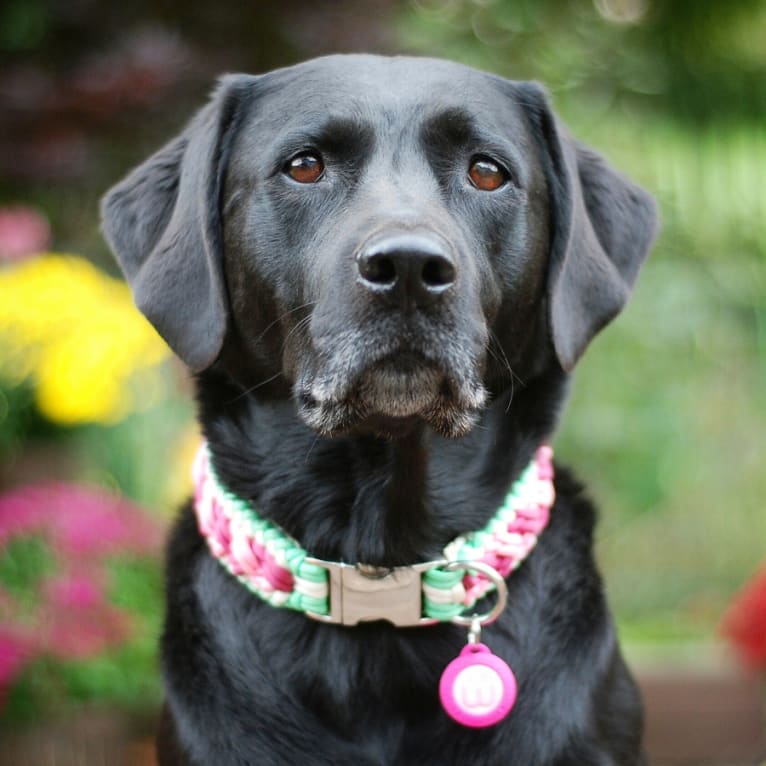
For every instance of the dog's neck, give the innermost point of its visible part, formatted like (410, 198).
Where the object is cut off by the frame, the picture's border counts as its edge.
(359, 497)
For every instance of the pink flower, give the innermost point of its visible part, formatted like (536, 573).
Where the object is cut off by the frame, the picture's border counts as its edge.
(75, 592)
(78, 621)
(71, 617)
(15, 651)
(23, 232)
(13, 654)
(78, 521)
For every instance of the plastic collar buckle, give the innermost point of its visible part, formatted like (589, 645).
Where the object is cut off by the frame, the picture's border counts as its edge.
(362, 593)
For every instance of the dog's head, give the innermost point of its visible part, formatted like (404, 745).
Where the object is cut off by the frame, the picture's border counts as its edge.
(388, 237)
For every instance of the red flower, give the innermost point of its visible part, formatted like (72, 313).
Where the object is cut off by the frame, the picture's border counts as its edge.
(744, 623)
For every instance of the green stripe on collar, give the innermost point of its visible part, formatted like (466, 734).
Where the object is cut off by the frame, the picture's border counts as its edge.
(274, 566)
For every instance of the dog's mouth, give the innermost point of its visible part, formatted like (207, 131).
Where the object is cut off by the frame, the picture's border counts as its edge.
(390, 396)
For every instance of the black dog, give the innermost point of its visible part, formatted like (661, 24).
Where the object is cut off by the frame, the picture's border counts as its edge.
(382, 272)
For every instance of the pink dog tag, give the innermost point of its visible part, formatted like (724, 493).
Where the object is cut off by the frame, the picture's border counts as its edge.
(477, 688)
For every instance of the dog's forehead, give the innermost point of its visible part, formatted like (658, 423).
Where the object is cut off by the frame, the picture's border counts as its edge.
(384, 89)
(391, 77)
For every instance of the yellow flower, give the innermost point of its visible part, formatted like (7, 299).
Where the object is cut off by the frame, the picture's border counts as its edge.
(74, 331)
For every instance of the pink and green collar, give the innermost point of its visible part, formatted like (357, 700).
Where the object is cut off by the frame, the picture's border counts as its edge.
(275, 567)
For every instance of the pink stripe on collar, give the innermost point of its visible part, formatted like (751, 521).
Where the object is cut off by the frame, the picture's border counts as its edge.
(275, 567)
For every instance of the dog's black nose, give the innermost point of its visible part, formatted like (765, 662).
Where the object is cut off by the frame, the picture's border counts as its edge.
(409, 269)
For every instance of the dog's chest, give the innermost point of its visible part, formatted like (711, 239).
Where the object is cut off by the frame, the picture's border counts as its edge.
(369, 695)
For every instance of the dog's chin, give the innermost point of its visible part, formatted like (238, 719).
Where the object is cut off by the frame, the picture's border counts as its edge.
(393, 399)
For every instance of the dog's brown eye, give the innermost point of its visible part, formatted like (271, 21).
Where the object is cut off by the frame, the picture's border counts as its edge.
(487, 175)
(305, 168)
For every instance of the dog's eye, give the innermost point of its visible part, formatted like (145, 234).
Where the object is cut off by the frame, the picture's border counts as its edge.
(486, 174)
(305, 168)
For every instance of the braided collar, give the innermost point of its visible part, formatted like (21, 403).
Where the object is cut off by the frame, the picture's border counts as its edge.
(272, 565)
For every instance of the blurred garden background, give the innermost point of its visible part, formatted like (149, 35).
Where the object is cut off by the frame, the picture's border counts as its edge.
(668, 413)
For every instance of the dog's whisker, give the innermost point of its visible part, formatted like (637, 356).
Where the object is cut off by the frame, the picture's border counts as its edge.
(498, 354)
(254, 388)
(286, 314)
(502, 360)
(300, 324)
(310, 449)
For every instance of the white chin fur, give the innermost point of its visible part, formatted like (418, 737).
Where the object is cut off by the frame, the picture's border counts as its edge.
(422, 392)
(399, 394)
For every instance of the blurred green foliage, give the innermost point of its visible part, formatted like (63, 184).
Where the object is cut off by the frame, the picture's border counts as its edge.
(25, 563)
(20, 420)
(668, 413)
(695, 59)
(126, 676)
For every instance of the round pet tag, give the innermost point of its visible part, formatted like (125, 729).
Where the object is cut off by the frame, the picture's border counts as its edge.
(477, 688)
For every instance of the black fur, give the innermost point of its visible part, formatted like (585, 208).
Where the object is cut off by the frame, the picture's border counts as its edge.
(301, 398)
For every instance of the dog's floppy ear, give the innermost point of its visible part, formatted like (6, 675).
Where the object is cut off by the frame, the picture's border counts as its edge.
(603, 228)
(163, 223)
